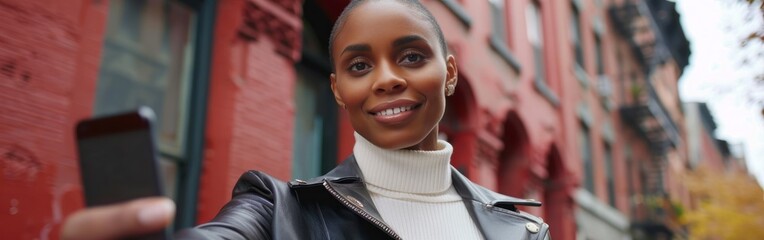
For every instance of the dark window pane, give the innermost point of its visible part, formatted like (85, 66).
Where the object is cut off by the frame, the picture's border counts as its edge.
(575, 31)
(586, 157)
(609, 175)
(598, 55)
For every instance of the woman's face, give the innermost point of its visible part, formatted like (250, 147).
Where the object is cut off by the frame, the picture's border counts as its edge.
(391, 76)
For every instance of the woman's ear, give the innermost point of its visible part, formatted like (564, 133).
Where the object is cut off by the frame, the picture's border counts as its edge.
(337, 97)
(452, 75)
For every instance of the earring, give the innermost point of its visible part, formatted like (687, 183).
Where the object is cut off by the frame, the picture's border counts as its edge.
(450, 90)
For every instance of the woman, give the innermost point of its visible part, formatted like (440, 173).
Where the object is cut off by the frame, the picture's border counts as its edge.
(391, 74)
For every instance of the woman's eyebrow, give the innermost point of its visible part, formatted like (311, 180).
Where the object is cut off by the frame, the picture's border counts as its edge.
(407, 39)
(356, 48)
(396, 43)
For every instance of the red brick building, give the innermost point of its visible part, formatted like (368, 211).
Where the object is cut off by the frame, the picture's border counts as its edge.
(555, 102)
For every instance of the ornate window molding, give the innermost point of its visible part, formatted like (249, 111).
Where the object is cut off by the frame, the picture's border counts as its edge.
(277, 20)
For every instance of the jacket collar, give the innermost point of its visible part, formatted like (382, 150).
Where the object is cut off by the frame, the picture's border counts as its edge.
(347, 180)
(345, 183)
(348, 172)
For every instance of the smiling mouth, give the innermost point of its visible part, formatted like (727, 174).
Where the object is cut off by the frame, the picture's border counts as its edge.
(396, 110)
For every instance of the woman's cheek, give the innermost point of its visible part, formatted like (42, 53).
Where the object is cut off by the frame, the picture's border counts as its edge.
(353, 92)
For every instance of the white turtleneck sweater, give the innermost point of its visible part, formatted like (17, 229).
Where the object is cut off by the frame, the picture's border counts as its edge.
(413, 192)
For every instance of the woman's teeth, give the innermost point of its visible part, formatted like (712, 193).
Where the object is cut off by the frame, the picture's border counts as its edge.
(391, 111)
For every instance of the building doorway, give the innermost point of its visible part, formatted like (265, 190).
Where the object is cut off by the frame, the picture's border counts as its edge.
(514, 159)
(557, 202)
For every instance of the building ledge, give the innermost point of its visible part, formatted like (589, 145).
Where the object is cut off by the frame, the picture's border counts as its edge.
(500, 47)
(547, 92)
(612, 216)
(581, 75)
(458, 11)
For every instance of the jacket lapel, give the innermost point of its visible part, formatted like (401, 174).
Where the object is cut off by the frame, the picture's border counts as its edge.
(494, 214)
(345, 182)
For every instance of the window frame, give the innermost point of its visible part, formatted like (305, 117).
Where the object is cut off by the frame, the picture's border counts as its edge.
(598, 55)
(499, 39)
(577, 37)
(197, 113)
(186, 152)
(535, 31)
(587, 157)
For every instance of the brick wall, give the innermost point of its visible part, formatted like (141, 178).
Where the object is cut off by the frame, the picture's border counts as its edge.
(250, 116)
(49, 56)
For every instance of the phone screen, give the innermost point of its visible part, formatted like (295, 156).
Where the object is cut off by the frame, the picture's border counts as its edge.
(118, 166)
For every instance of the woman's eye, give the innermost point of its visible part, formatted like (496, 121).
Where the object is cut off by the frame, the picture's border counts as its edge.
(359, 67)
(411, 58)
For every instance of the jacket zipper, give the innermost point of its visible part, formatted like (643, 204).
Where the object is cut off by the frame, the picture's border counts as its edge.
(361, 212)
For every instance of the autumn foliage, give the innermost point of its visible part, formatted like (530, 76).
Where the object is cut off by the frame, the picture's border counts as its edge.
(725, 205)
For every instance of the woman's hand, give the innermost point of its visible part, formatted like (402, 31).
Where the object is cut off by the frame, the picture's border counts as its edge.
(119, 220)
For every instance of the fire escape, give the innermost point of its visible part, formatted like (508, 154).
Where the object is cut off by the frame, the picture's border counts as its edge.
(653, 30)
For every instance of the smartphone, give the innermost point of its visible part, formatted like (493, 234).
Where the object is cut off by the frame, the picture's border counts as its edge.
(118, 160)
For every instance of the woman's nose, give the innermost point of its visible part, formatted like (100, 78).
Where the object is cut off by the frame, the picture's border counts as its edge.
(387, 81)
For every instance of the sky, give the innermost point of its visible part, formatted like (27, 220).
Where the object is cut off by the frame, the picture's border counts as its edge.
(713, 28)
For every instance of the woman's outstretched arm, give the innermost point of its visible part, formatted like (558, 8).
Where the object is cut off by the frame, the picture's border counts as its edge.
(248, 215)
(244, 217)
(119, 220)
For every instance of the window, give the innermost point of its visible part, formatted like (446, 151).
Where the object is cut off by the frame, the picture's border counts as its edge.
(598, 55)
(314, 149)
(609, 174)
(147, 48)
(575, 31)
(536, 38)
(631, 171)
(499, 37)
(585, 145)
(152, 56)
(498, 19)
(315, 143)
(604, 86)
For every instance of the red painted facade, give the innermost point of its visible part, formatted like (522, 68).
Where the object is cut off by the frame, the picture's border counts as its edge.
(49, 56)
(508, 135)
(250, 112)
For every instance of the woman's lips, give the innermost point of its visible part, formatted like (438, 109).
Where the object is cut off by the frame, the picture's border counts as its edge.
(394, 112)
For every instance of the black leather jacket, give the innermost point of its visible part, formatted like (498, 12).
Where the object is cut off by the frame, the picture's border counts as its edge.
(338, 206)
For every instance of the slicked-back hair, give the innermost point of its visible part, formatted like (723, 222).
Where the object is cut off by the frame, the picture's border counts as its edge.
(414, 4)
